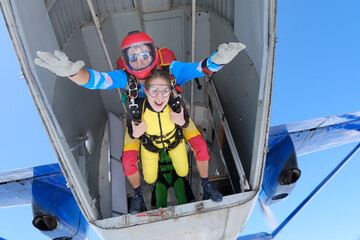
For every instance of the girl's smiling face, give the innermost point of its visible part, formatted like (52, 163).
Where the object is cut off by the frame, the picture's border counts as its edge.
(158, 93)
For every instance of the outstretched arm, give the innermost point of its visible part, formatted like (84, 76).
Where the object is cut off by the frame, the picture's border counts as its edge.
(184, 72)
(81, 78)
(60, 64)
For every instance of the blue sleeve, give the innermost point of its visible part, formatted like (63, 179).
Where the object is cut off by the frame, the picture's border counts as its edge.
(184, 72)
(106, 80)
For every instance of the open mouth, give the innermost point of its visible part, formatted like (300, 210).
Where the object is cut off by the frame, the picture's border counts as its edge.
(159, 104)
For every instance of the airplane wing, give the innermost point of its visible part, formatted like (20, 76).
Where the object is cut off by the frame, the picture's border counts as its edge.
(318, 134)
(16, 185)
(288, 141)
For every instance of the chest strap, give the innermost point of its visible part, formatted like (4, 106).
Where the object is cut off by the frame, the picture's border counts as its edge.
(148, 140)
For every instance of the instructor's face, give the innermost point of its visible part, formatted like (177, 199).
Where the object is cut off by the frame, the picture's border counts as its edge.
(139, 57)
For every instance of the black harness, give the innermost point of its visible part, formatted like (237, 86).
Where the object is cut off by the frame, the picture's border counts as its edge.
(161, 173)
(148, 140)
(132, 92)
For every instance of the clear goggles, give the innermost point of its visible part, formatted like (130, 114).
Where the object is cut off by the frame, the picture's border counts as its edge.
(154, 90)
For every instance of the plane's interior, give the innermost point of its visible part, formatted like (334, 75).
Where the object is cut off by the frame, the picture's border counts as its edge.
(229, 108)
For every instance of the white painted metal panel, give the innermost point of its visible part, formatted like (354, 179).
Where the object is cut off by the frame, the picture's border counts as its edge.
(205, 220)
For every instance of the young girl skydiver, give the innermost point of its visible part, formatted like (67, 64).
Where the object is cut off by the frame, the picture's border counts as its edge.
(160, 127)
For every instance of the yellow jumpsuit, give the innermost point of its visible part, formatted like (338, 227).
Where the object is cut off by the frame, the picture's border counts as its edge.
(160, 124)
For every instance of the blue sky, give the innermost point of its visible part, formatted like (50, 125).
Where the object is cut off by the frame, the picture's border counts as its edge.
(316, 75)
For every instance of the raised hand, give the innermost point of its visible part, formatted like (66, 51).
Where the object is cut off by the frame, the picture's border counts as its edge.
(226, 52)
(178, 118)
(138, 130)
(58, 63)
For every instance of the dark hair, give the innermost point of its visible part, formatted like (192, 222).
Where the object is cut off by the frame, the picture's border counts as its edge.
(157, 73)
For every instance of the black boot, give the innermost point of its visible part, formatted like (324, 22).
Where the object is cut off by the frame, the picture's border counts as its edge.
(137, 203)
(210, 191)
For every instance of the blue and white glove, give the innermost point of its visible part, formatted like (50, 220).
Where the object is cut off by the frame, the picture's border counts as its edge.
(226, 52)
(58, 63)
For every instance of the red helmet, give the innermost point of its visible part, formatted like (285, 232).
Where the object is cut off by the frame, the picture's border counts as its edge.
(139, 54)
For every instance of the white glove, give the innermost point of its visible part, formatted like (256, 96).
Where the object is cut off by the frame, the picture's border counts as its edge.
(58, 63)
(226, 52)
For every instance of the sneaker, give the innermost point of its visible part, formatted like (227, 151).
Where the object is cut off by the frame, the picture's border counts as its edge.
(210, 191)
(136, 205)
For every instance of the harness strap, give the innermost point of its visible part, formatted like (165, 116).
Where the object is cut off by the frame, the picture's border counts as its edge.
(175, 104)
(178, 138)
(137, 111)
(149, 145)
(163, 180)
(166, 171)
(175, 177)
(155, 138)
(164, 163)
